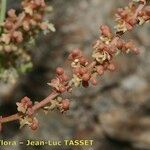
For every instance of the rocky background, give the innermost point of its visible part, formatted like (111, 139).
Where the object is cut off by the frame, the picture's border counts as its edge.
(115, 114)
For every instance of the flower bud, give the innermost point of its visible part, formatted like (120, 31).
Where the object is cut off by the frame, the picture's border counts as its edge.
(65, 77)
(119, 44)
(12, 13)
(93, 81)
(60, 70)
(77, 70)
(26, 26)
(83, 61)
(34, 125)
(26, 101)
(65, 104)
(136, 50)
(76, 52)
(86, 77)
(85, 84)
(62, 89)
(44, 26)
(100, 70)
(70, 57)
(101, 46)
(111, 67)
(83, 71)
(8, 25)
(106, 31)
(128, 45)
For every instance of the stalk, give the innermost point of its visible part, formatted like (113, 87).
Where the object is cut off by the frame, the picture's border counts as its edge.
(2, 12)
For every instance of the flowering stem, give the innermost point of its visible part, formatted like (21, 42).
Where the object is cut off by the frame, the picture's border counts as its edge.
(37, 106)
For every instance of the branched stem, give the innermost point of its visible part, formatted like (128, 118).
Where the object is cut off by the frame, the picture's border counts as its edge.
(54, 94)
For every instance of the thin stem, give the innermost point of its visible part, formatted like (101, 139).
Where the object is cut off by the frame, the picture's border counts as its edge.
(3, 10)
(10, 118)
(45, 101)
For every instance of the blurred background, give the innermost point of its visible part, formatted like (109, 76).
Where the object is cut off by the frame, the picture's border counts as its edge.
(115, 114)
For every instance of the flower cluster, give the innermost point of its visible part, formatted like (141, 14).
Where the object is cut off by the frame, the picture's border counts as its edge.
(58, 103)
(21, 27)
(81, 72)
(20, 30)
(60, 82)
(108, 46)
(132, 15)
(26, 112)
(25, 106)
